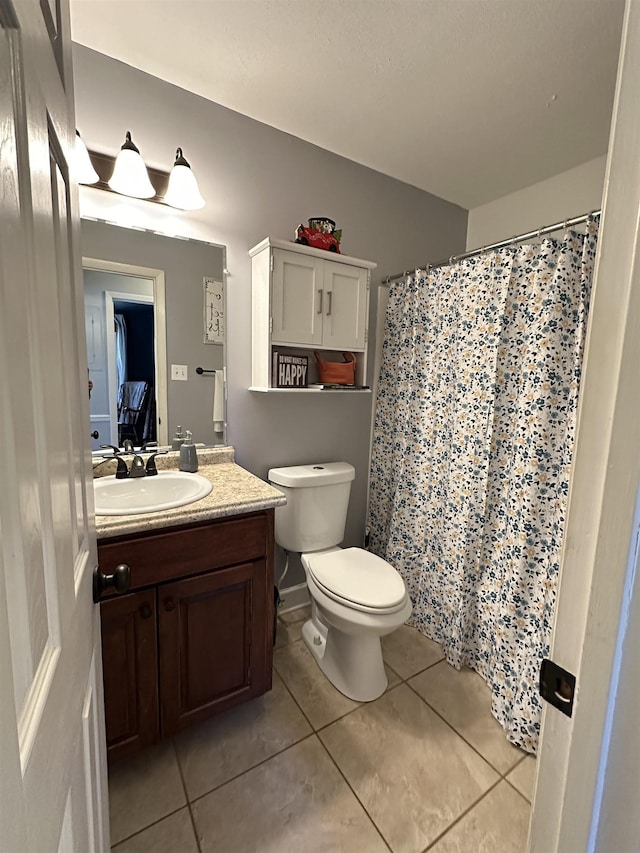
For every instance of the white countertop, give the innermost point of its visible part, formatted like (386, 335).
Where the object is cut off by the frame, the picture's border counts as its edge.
(235, 492)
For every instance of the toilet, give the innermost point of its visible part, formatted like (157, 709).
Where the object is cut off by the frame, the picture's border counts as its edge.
(356, 597)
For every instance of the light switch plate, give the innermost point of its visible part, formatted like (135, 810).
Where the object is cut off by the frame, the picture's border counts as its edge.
(180, 372)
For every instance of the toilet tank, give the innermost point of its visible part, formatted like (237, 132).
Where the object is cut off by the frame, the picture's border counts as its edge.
(316, 510)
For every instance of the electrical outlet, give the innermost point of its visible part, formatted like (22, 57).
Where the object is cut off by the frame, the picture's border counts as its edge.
(180, 371)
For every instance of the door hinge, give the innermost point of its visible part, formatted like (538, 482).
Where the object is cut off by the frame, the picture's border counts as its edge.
(270, 325)
(557, 686)
(271, 263)
(366, 335)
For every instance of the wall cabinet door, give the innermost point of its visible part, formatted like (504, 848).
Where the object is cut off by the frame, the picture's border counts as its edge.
(214, 635)
(345, 307)
(317, 302)
(296, 299)
(130, 668)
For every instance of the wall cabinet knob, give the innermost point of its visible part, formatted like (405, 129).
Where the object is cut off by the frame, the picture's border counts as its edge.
(169, 604)
(146, 611)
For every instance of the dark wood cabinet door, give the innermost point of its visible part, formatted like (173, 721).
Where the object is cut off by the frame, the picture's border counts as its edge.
(130, 668)
(215, 643)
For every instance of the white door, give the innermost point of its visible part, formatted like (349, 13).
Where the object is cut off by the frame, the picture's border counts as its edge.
(345, 306)
(52, 755)
(100, 416)
(588, 784)
(296, 299)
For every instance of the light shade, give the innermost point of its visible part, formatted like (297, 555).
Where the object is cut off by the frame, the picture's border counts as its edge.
(84, 167)
(183, 189)
(130, 176)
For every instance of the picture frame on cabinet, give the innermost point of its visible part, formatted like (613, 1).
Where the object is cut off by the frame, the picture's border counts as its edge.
(290, 371)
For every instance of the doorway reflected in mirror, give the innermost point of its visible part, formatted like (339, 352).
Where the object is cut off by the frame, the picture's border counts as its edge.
(119, 320)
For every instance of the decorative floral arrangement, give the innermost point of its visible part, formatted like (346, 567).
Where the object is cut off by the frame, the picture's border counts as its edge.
(321, 233)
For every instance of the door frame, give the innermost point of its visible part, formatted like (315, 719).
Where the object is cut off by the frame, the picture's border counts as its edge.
(111, 296)
(585, 781)
(160, 336)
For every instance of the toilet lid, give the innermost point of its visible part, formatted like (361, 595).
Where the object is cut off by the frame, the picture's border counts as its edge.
(358, 576)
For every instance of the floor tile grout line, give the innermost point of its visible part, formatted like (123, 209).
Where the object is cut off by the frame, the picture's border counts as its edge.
(289, 691)
(524, 758)
(295, 701)
(358, 708)
(190, 802)
(462, 737)
(348, 784)
(524, 796)
(360, 704)
(145, 828)
(415, 675)
(419, 672)
(342, 716)
(462, 815)
(186, 794)
(249, 769)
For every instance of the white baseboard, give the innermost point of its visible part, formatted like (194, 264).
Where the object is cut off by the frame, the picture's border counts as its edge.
(292, 597)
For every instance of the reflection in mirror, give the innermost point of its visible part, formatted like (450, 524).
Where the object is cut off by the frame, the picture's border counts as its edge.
(146, 321)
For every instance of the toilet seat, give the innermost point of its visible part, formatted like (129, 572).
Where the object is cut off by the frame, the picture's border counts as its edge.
(358, 579)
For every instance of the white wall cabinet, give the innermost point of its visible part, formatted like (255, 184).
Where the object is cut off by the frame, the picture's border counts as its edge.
(305, 298)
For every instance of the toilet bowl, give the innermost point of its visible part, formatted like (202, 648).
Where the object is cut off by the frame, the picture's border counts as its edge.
(345, 628)
(356, 597)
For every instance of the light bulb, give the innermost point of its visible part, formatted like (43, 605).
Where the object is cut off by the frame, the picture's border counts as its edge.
(130, 176)
(183, 189)
(84, 167)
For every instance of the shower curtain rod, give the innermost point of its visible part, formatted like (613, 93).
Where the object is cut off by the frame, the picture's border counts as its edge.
(548, 229)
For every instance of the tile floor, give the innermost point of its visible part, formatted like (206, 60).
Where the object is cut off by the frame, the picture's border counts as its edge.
(303, 768)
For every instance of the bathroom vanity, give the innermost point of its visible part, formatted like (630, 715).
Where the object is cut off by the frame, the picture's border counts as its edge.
(194, 634)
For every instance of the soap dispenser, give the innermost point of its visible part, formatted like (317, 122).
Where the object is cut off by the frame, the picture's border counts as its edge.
(178, 440)
(188, 455)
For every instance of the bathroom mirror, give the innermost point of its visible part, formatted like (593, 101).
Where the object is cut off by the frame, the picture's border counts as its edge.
(147, 305)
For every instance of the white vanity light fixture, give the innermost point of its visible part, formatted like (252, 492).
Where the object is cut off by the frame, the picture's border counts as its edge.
(183, 191)
(84, 167)
(130, 176)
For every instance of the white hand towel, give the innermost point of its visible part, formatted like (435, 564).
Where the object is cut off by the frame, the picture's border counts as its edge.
(218, 401)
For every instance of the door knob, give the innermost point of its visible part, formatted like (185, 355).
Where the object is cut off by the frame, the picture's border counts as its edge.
(95, 434)
(120, 581)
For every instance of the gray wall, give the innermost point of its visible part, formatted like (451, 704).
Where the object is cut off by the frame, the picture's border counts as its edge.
(261, 182)
(185, 264)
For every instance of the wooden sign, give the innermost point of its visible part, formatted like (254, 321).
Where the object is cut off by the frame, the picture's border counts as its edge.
(290, 371)
(213, 311)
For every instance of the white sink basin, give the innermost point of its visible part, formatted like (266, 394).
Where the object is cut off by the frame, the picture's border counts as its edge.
(166, 490)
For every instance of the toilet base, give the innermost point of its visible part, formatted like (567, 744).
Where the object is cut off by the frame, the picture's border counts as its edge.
(352, 663)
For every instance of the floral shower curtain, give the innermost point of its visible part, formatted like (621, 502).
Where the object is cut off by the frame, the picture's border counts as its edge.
(473, 436)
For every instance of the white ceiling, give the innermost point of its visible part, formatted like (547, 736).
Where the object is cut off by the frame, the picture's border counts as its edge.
(468, 99)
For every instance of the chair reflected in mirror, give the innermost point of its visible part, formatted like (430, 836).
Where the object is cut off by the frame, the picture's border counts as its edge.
(136, 416)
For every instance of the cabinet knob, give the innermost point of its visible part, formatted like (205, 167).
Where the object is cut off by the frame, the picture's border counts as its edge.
(120, 581)
(169, 604)
(146, 611)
